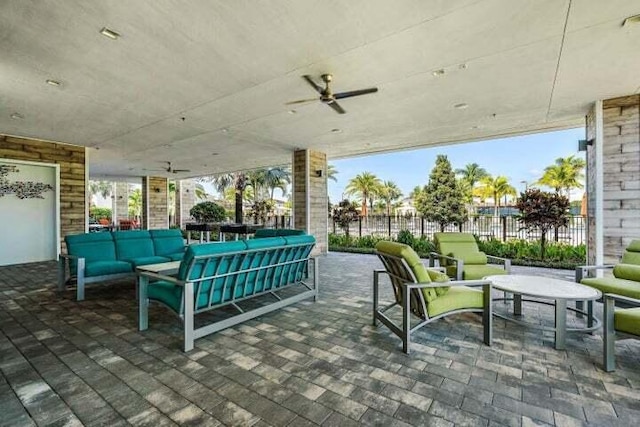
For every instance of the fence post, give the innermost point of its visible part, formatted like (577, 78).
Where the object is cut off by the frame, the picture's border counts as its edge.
(555, 234)
(421, 226)
(359, 226)
(503, 220)
(389, 222)
(334, 226)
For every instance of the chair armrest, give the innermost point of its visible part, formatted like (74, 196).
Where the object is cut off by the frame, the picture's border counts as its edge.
(504, 261)
(164, 277)
(622, 298)
(67, 256)
(450, 258)
(582, 270)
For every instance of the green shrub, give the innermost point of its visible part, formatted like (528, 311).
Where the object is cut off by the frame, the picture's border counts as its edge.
(406, 237)
(100, 213)
(208, 212)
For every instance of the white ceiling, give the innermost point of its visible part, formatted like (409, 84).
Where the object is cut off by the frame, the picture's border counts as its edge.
(228, 68)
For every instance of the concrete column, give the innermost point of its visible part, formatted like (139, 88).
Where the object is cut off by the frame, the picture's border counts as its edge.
(155, 202)
(185, 200)
(121, 201)
(310, 199)
(613, 159)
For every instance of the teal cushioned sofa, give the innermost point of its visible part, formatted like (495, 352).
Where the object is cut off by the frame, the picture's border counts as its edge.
(277, 232)
(214, 275)
(96, 257)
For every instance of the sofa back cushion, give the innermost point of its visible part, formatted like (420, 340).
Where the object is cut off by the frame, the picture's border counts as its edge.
(632, 253)
(460, 245)
(91, 246)
(628, 272)
(167, 242)
(133, 244)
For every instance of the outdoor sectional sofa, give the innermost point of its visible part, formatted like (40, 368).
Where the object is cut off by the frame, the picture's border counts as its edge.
(219, 274)
(96, 257)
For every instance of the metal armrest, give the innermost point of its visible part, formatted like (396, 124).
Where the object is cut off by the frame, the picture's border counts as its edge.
(582, 270)
(622, 298)
(159, 276)
(451, 283)
(505, 261)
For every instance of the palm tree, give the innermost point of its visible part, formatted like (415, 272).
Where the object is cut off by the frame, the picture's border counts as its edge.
(277, 177)
(389, 192)
(237, 181)
(332, 172)
(472, 173)
(363, 185)
(200, 191)
(565, 174)
(497, 187)
(256, 179)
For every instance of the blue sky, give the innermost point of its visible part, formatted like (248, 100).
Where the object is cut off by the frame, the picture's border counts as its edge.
(521, 158)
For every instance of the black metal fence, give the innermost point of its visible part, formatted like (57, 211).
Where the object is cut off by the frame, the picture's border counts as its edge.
(485, 227)
(274, 221)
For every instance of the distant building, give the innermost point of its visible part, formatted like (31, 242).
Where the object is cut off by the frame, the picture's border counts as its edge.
(406, 208)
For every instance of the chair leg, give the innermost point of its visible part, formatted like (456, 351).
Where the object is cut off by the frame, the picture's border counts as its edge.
(62, 270)
(487, 315)
(80, 280)
(143, 303)
(375, 296)
(579, 306)
(188, 316)
(406, 320)
(609, 332)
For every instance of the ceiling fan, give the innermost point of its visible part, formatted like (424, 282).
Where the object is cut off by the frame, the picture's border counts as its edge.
(328, 97)
(170, 169)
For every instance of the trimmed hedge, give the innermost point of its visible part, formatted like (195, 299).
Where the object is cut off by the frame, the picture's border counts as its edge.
(520, 252)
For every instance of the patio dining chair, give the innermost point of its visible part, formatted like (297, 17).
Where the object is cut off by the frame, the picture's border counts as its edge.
(619, 322)
(425, 294)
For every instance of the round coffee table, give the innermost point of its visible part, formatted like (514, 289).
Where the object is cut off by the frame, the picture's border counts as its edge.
(543, 288)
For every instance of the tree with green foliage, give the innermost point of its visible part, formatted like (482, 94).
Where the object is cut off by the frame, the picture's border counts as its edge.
(540, 210)
(135, 203)
(277, 177)
(565, 174)
(389, 192)
(344, 214)
(332, 172)
(442, 200)
(472, 173)
(208, 212)
(103, 188)
(496, 188)
(364, 185)
(238, 182)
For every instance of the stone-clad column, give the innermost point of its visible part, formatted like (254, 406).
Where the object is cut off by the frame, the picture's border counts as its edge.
(121, 202)
(155, 202)
(310, 198)
(621, 177)
(185, 200)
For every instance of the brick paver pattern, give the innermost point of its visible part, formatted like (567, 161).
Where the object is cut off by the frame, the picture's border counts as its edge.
(64, 362)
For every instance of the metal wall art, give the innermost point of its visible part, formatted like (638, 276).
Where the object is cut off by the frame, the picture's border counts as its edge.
(22, 189)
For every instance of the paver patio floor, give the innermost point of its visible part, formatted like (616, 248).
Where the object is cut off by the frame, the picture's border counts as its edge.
(64, 362)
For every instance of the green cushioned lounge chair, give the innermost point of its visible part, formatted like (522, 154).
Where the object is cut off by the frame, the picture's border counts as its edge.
(626, 274)
(624, 322)
(459, 254)
(425, 293)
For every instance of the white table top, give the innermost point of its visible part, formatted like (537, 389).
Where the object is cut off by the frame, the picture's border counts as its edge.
(163, 267)
(543, 287)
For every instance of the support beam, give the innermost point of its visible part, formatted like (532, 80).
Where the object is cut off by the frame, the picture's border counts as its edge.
(155, 203)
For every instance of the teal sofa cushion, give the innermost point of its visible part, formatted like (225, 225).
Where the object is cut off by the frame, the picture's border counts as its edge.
(91, 247)
(627, 271)
(167, 242)
(175, 257)
(104, 268)
(167, 293)
(133, 244)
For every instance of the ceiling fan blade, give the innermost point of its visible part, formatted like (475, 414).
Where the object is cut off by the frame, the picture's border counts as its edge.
(301, 101)
(180, 170)
(349, 94)
(313, 84)
(336, 107)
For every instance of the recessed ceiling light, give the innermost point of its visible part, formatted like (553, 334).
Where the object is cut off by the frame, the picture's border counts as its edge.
(53, 82)
(214, 154)
(462, 66)
(292, 111)
(336, 130)
(631, 20)
(439, 72)
(474, 127)
(225, 130)
(17, 116)
(461, 106)
(109, 33)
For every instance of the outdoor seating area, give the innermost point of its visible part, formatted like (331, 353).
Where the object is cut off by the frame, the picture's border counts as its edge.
(319, 363)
